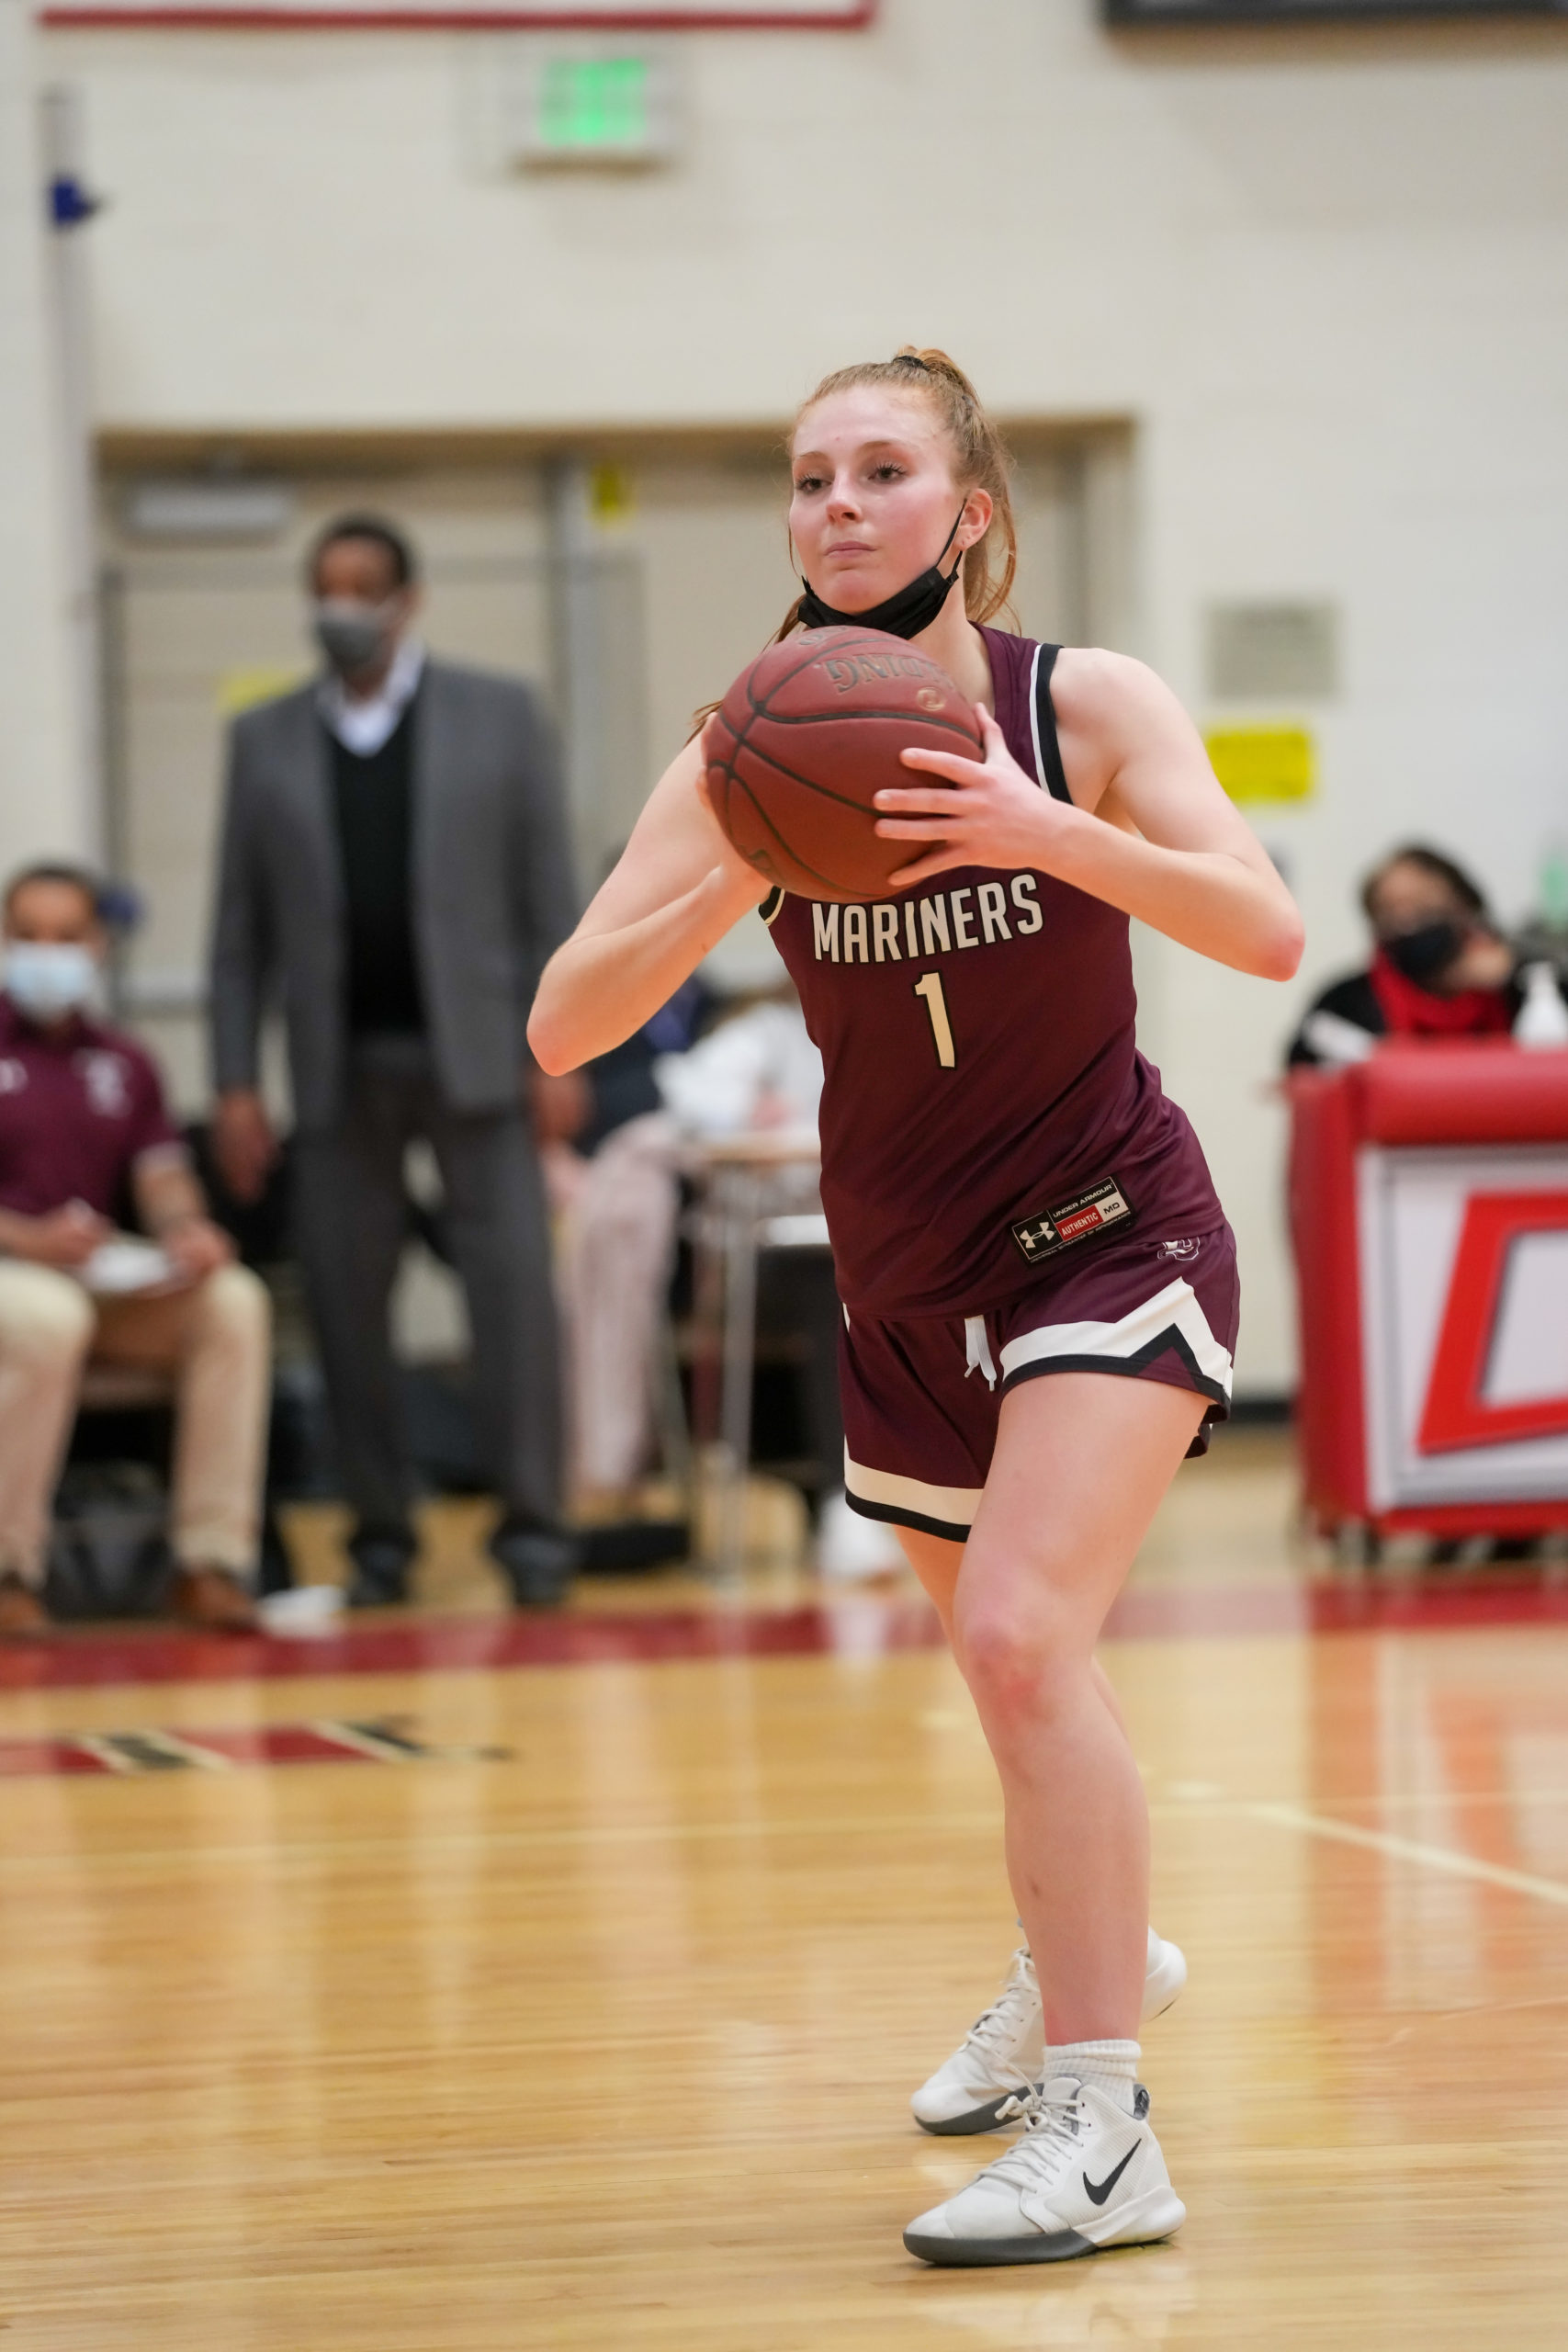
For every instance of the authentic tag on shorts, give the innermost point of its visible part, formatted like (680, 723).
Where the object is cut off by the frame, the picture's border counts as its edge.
(1076, 1220)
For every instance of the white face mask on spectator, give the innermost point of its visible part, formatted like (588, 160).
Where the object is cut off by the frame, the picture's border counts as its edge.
(47, 978)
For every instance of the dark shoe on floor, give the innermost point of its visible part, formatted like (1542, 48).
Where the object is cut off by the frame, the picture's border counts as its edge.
(23, 1617)
(537, 1561)
(213, 1601)
(380, 1572)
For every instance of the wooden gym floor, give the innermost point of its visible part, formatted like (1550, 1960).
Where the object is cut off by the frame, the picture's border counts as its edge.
(473, 2003)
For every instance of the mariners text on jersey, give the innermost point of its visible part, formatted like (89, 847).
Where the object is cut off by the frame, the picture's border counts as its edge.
(974, 916)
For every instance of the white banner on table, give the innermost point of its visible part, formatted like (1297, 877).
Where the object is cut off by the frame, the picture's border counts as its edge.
(1416, 1208)
(587, 15)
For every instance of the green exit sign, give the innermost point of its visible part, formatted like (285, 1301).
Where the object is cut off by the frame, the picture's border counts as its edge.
(600, 107)
(594, 102)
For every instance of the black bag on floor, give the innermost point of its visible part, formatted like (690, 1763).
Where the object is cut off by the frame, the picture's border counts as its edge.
(108, 1555)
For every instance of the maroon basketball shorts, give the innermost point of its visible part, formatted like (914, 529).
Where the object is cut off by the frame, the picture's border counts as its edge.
(921, 1396)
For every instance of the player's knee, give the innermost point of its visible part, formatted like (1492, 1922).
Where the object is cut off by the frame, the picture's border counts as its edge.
(1015, 1652)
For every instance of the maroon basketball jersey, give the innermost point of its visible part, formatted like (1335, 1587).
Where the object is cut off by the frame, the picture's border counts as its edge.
(985, 1109)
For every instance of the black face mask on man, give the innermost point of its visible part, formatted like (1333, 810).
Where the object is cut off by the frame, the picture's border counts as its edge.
(904, 613)
(1424, 955)
(352, 637)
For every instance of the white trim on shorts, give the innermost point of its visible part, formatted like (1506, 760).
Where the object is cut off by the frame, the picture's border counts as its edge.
(909, 1502)
(1171, 1319)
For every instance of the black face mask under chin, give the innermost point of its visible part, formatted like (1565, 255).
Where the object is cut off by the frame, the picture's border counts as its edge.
(904, 615)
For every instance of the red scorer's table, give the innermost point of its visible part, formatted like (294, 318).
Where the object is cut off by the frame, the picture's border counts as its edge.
(1429, 1219)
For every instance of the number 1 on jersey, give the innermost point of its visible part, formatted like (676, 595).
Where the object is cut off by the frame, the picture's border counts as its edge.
(929, 986)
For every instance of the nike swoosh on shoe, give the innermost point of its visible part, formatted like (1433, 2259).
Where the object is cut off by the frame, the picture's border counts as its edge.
(1098, 2191)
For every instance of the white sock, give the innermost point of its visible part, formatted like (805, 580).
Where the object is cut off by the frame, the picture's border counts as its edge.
(1111, 2066)
(1154, 1942)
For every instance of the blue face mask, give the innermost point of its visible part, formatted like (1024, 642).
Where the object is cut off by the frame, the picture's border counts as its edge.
(47, 978)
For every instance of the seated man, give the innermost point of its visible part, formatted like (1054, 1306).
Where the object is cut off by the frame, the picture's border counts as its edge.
(1439, 967)
(83, 1128)
(754, 1070)
(615, 1193)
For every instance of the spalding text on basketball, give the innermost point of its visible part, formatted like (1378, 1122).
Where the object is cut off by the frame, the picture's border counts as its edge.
(849, 670)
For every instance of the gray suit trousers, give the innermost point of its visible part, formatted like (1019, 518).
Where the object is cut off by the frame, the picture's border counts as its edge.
(350, 1228)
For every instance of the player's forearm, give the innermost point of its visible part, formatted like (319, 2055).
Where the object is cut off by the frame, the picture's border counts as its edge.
(1206, 899)
(600, 986)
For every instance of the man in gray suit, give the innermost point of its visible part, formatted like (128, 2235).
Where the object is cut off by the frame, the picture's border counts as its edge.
(395, 870)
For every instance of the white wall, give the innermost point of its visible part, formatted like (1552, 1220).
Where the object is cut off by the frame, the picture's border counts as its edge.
(1324, 273)
(45, 801)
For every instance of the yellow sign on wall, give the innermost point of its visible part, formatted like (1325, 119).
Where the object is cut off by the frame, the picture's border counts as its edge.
(1264, 762)
(610, 496)
(239, 690)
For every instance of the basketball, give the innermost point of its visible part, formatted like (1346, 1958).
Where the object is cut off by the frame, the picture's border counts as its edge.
(805, 740)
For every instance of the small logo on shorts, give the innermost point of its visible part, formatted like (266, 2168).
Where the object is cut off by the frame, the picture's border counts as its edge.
(1183, 1249)
(1077, 1220)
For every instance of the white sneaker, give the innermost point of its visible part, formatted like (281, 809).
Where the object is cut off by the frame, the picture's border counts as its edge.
(1005, 2048)
(850, 1547)
(1084, 2176)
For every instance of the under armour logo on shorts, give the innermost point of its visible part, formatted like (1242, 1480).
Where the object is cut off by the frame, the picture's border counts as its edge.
(1089, 1213)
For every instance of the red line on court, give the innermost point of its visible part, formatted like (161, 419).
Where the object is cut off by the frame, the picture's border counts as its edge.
(866, 1625)
(125, 1653)
(46, 1759)
(135, 1753)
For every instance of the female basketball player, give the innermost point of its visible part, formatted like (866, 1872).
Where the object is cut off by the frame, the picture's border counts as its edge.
(1009, 1196)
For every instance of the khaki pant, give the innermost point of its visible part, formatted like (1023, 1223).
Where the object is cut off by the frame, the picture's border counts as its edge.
(214, 1340)
(615, 1246)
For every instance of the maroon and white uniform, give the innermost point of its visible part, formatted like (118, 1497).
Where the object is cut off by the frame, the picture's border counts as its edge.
(1008, 1190)
(81, 1108)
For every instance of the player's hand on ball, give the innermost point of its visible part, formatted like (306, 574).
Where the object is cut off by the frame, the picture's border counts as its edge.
(998, 816)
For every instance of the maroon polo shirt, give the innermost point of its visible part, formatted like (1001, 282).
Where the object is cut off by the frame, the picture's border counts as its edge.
(78, 1108)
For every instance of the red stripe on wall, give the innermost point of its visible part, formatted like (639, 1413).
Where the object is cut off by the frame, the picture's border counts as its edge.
(560, 20)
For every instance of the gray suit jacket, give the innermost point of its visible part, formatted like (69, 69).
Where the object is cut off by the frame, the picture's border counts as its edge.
(494, 890)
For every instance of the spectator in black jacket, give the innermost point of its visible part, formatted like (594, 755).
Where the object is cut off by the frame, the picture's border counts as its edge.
(1440, 965)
